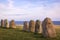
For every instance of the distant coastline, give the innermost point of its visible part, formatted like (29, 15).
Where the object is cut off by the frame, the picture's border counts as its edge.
(21, 22)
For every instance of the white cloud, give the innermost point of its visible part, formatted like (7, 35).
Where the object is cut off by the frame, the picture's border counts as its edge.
(10, 3)
(32, 11)
(54, 10)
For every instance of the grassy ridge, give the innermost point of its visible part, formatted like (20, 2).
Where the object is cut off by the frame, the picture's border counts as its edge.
(16, 34)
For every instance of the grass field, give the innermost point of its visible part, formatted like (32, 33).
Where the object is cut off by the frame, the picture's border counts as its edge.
(18, 34)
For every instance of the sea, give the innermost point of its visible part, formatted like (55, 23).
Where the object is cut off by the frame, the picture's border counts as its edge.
(22, 22)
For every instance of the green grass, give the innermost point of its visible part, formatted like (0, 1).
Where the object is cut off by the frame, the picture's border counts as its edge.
(16, 34)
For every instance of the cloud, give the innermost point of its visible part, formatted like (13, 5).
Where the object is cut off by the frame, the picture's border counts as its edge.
(54, 10)
(29, 11)
(10, 3)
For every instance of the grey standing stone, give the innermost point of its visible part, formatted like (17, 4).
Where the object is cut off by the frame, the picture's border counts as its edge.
(32, 26)
(6, 23)
(2, 23)
(38, 26)
(48, 28)
(26, 26)
(12, 24)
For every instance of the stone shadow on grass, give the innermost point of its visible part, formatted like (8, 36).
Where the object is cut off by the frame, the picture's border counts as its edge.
(37, 35)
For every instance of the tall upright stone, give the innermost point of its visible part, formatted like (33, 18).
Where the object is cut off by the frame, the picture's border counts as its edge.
(6, 23)
(32, 26)
(48, 28)
(2, 23)
(26, 26)
(12, 24)
(38, 26)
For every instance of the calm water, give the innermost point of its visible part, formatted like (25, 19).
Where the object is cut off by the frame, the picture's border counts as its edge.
(56, 22)
(21, 22)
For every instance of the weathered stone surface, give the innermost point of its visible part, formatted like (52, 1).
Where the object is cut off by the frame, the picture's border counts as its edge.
(6, 23)
(2, 23)
(25, 28)
(32, 26)
(48, 28)
(38, 26)
(12, 24)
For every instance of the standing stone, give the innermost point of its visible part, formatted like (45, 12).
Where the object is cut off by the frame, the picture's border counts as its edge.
(12, 24)
(6, 23)
(2, 23)
(32, 26)
(38, 26)
(25, 28)
(48, 28)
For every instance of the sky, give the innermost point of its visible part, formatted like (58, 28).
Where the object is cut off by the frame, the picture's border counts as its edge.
(25, 10)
